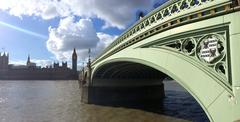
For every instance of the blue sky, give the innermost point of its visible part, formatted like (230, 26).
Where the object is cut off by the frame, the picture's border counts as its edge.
(48, 30)
(19, 44)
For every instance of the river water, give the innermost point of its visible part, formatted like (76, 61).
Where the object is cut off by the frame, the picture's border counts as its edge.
(59, 101)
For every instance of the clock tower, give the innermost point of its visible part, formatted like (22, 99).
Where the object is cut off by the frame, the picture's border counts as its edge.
(74, 60)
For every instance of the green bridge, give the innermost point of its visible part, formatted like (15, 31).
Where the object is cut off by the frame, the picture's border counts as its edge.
(195, 42)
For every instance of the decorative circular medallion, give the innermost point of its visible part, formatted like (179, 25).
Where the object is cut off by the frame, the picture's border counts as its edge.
(210, 49)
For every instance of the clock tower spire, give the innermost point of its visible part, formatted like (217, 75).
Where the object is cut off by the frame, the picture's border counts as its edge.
(74, 60)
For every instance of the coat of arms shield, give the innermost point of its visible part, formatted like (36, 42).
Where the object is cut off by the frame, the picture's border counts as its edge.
(209, 48)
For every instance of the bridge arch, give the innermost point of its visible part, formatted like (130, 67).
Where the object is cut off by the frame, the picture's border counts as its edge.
(206, 89)
(173, 45)
(127, 70)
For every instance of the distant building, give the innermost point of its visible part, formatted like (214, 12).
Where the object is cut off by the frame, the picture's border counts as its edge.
(29, 63)
(74, 60)
(31, 71)
(4, 58)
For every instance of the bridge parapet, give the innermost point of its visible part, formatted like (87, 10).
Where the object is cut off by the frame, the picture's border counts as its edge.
(171, 14)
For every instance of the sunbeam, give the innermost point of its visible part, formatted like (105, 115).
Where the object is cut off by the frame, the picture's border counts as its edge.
(23, 30)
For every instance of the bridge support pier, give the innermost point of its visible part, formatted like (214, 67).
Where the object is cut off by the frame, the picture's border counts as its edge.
(124, 95)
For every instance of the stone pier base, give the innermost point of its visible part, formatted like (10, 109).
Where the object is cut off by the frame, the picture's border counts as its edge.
(123, 95)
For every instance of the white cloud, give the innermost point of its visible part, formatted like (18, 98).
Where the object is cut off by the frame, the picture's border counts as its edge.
(76, 34)
(17, 62)
(106, 39)
(46, 9)
(115, 13)
(80, 34)
(42, 63)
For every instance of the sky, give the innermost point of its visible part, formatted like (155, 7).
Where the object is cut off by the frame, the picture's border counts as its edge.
(48, 30)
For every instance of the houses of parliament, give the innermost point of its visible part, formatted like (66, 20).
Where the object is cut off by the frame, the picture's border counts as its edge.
(31, 71)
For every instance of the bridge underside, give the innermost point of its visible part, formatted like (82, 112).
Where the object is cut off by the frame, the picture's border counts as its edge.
(126, 83)
(127, 74)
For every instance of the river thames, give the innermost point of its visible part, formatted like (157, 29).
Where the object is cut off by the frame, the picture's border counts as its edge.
(59, 101)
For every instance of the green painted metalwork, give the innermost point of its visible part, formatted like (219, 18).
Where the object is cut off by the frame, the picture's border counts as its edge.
(184, 15)
(189, 44)
(171, 39)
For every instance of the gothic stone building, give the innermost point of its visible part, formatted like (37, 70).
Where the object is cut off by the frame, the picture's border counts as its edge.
(32, 72)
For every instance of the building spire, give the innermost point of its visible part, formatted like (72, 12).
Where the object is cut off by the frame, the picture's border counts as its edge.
(74, 54)
(74, 50)
(28, 60)
(74, 60)
(28, 57)
(4, 53)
